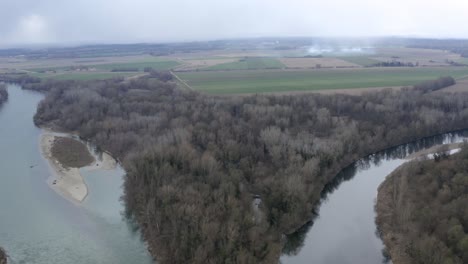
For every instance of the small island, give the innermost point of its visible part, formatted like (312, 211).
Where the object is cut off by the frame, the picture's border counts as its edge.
(66, 157)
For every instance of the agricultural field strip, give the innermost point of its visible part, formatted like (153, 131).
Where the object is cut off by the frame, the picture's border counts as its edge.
(232, 82)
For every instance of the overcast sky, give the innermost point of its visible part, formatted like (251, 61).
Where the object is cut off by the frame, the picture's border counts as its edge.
(128, 21)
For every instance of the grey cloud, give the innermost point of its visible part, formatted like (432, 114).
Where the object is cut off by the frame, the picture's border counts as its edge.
(85, 21)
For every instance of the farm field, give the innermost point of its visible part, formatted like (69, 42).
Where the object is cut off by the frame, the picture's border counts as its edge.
(242, 82)
(95, 68)
(423, 57)
(157, 65)
(317, 63)
(360, 60)
(463, 61)
(83, 76)
(201, 63)
(44, 64)
(232, 71)
(249, 64)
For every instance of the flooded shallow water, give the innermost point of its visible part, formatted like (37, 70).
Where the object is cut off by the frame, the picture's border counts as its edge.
(40, 227)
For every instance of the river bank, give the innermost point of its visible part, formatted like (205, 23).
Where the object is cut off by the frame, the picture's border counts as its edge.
(353, 192)
(3, 256)
(37, 225)
(386, 198)
(419, 197)
(435, 149)
(66, 161)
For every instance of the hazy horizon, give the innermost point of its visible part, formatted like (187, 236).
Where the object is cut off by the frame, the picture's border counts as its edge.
(49, 22)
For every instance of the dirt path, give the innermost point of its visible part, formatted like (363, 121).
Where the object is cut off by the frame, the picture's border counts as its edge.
(135, 77)
(182, 81)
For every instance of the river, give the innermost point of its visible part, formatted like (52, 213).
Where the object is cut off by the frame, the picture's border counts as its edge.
(38, 226)
(344, 230)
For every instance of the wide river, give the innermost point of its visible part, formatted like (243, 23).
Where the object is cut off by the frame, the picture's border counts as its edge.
(37, 225)
(344, 230)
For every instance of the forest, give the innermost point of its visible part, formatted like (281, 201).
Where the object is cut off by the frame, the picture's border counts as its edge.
(194, 162)
(3, 93)
(18, 78)
(422, 212)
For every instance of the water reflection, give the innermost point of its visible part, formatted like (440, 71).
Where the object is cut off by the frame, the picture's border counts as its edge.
(37, 226)
(295, 241)
(375, 167)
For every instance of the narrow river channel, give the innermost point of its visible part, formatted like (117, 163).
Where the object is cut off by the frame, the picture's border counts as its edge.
(344, 231)
(37, 226)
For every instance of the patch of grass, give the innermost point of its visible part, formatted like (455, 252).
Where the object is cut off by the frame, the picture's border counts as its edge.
(236, 82)
(360, 60)
(83, 76)
(249, 64)
(463, 61)
(157, 65)
(71, 153)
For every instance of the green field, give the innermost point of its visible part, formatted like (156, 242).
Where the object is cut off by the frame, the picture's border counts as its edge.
(84, 76)
(249, 64)
(157, 65)
(360, 60)
(463, 60)
(236, 82)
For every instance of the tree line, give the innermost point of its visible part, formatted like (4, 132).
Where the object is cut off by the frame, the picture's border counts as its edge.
(194, 162)
(18, 78)
(422, 212)
(3, 93)
(394, 63)
(3, 98)
(434, 85)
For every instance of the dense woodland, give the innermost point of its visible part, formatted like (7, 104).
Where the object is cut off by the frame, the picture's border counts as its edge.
(18, 78)
(394, 63)
(3, 93)
(422, 211)
(194, 162)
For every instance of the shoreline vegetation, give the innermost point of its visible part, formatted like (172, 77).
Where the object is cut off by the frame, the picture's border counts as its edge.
(66, 157)
(188, 155)
(3, 93)
(421, 210)
(3, 256)
(3, 98)
(423, 154)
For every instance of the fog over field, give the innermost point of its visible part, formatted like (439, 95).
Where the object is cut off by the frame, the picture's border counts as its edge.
(340, 50)
(109, 21)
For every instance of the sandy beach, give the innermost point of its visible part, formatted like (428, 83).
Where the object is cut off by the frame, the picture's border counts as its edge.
(427, 152)
(69, 182)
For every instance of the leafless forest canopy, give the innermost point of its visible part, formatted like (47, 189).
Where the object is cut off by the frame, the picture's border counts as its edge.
(194, 162)
(422, 211)
(3, 93)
